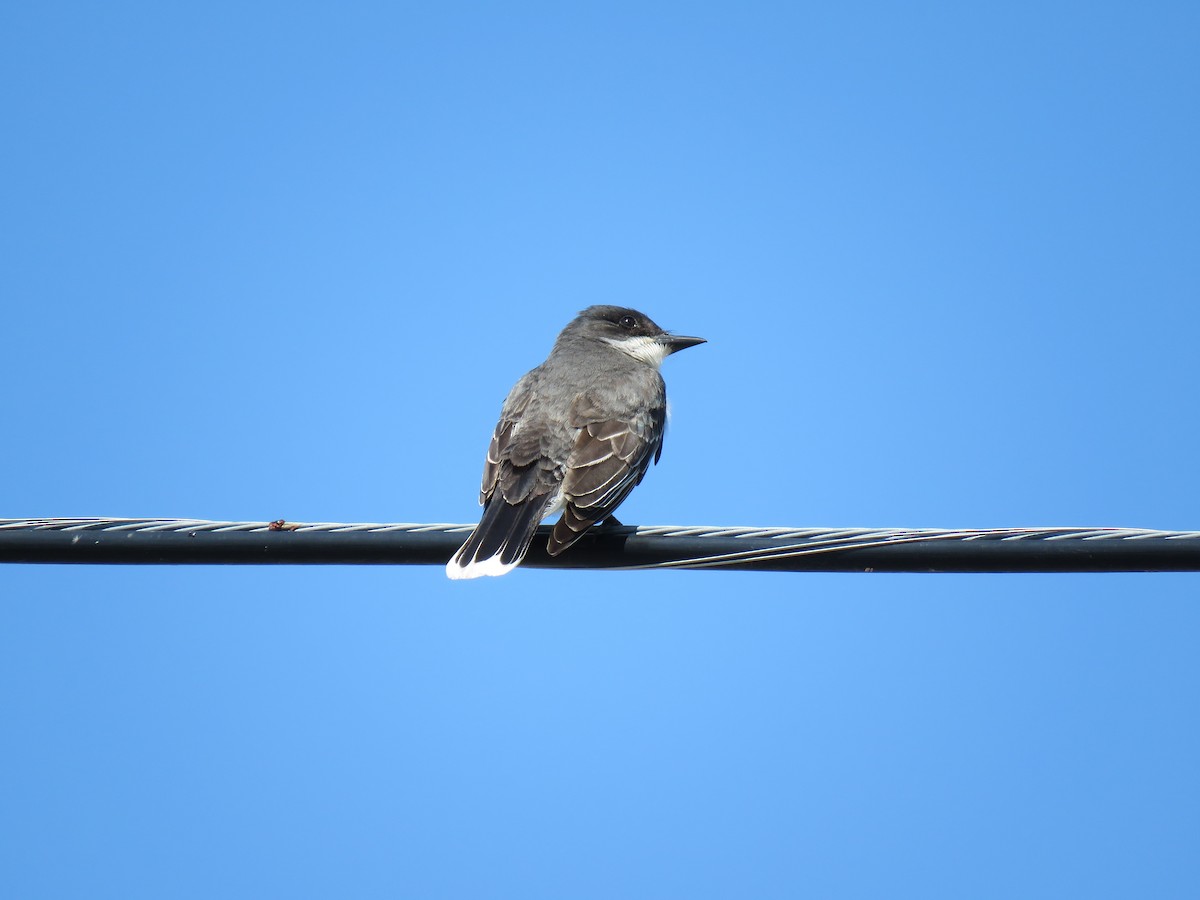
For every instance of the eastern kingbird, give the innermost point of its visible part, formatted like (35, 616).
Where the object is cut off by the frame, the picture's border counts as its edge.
(575, 435)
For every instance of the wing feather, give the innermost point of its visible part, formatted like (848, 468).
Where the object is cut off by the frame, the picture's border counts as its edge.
(609, 460)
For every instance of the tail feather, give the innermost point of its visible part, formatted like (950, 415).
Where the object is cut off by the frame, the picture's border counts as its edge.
(500, 540)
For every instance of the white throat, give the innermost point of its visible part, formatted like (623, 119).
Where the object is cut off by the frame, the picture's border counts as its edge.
(644, 349)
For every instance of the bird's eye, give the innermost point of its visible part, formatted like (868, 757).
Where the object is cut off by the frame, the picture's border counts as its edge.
(627, 321)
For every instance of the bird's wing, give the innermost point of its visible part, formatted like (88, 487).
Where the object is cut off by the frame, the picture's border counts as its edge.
(519, 482)
(491, 466)
(516, 463)
(609, 459)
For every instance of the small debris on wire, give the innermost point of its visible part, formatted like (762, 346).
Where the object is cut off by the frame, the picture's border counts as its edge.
(282, 525)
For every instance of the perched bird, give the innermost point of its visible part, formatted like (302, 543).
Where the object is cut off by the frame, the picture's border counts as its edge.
(575, 435)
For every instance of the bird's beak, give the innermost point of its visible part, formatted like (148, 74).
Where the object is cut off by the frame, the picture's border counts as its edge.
(676, 342)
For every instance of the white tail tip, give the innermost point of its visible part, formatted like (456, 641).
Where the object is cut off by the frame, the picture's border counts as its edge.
(480, 567)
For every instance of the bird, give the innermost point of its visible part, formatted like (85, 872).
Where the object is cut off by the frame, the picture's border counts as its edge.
(576, 435)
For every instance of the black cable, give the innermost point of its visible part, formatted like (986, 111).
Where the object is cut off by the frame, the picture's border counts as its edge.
(190, 542)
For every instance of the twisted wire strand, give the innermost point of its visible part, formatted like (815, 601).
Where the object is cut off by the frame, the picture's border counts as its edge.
(1043, 532)
(812, 542)
(208, 525)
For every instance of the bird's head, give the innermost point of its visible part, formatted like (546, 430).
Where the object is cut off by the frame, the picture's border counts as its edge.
(631, 332)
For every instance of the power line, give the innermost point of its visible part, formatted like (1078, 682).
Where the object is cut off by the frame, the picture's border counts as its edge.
(196, 541)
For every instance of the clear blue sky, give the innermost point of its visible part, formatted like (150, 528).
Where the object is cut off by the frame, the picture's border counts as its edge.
(285, 260)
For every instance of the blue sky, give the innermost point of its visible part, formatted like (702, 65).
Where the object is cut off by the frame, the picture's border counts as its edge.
(286, 260)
